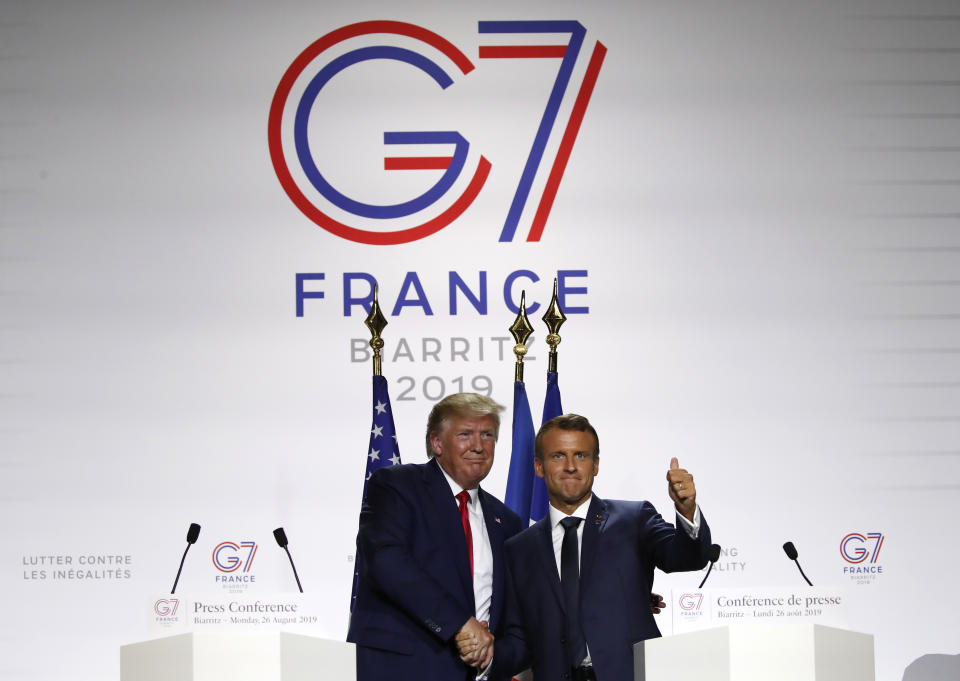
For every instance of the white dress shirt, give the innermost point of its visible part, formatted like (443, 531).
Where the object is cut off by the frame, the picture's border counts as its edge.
(482, 553)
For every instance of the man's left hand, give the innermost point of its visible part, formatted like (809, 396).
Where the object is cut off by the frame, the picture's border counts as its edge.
(682, 490)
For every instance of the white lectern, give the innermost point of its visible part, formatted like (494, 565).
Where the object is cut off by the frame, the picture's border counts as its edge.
(234, 656)
(757, 652)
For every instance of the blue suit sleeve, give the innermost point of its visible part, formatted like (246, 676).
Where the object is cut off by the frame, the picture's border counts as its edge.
(511, 655)
(388, 521)
(670, 547)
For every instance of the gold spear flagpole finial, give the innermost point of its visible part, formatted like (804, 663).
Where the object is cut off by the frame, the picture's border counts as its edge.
(521, 331)
(376, 322)
(554, 319)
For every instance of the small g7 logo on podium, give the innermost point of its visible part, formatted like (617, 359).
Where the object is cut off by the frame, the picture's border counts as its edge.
(166, 607)
(226, 558)
(853, 549)
(691, 601)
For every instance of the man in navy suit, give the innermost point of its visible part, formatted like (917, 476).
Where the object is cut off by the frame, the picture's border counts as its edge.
(579, 581)
(431, 543)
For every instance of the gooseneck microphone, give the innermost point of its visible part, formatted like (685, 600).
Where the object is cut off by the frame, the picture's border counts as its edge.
(792, 554)
(281, 538)
(192, 535)
(714, 556)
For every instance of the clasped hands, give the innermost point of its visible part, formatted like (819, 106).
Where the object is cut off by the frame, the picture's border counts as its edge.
(475, 643)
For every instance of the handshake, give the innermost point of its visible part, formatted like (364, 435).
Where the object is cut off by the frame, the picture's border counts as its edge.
(475, 643)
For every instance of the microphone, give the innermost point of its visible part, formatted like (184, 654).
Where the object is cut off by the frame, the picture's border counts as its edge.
(792, 554)
(714, 556)
(192, 534)
(281, 538)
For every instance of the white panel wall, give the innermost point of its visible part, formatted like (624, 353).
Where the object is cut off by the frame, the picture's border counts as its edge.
(763, 197)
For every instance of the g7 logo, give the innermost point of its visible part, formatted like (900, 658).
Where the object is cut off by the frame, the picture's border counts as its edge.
(852, 550)
(289, 129)
(691, 601)
(225, 557)
(166, 607)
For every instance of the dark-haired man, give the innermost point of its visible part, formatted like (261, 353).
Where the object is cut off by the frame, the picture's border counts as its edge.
(580, 579)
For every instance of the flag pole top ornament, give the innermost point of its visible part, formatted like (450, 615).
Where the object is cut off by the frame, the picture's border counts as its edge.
(554, 319)
(376, 322)
(521, 331)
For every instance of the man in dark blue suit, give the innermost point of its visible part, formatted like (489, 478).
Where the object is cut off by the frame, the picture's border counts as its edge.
(431, 543)
(579, 581)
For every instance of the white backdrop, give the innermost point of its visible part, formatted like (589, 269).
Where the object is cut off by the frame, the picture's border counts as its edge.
(760, 208)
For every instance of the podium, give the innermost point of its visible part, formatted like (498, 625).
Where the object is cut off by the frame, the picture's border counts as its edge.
(235, 656)
(757, 652)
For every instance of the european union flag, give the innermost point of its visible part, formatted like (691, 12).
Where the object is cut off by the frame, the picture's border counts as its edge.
(551, 408)
(520, 478)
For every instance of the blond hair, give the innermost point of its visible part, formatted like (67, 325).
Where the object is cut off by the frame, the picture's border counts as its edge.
(465, 405)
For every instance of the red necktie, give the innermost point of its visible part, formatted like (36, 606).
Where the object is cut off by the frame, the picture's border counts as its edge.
(462, 500)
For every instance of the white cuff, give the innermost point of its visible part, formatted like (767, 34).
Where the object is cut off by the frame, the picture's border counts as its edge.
(692, 529)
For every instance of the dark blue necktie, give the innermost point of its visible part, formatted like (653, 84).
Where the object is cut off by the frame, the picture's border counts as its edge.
(570, 583)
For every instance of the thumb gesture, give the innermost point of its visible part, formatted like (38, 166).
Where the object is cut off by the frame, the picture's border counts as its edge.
(681, 489)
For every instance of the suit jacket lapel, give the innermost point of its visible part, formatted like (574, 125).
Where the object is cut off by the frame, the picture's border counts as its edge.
(495, 534)
(448, 518)
(593, 526)
(544, 539)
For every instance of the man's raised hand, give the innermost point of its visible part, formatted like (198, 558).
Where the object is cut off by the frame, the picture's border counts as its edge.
(682, 490)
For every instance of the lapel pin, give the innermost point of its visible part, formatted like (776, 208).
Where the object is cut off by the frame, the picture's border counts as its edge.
(498, 520)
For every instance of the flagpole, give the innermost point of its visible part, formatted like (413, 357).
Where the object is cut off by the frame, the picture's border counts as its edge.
(519, 492)
(520, 330)
(376, 322)
(383, 449)
(554, 319)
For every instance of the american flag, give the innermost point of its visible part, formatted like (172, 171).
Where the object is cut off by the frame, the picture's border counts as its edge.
(383, 450)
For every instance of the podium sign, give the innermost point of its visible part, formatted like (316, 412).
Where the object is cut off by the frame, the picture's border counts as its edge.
(298, 613)
(692, 609)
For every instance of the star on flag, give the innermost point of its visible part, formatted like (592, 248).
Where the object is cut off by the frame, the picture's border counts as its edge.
(382, 429)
